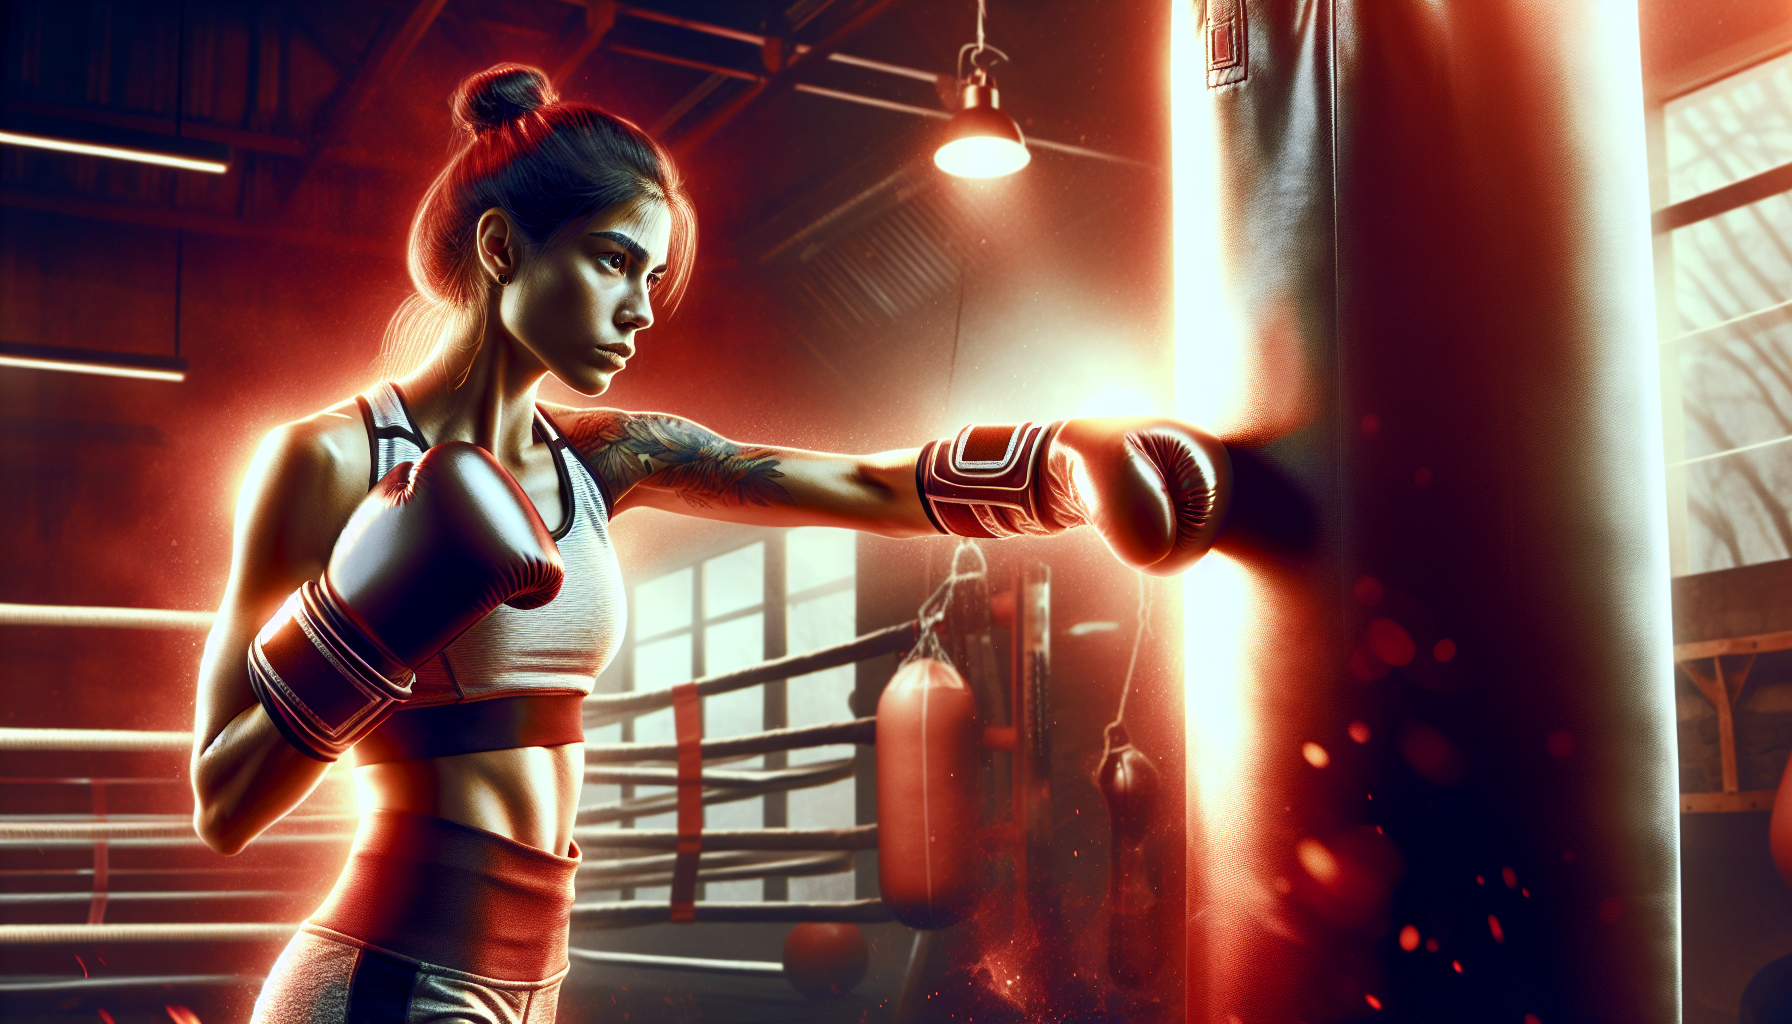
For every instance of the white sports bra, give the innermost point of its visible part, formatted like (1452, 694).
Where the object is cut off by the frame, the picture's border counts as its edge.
(515, 678)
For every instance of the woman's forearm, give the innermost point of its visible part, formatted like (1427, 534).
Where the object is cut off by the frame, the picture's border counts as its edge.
(247, 779)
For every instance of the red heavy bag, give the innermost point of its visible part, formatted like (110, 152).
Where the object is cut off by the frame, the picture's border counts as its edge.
(927, 794)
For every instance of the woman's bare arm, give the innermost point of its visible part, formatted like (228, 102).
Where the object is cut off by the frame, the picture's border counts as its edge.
(663, 461)
(302, 487)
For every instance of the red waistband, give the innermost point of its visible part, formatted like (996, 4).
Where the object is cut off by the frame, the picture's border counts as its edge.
(524, 720)
(455, 896)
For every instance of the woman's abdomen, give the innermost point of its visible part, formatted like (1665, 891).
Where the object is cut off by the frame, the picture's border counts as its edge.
(526, 794)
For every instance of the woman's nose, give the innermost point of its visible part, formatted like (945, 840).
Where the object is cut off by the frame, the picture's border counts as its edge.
(636, 312)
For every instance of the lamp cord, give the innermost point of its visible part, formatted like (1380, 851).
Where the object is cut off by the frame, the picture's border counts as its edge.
(977, 49)
(1138, 636)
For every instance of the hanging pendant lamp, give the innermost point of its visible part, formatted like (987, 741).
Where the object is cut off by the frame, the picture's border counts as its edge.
(980, 141)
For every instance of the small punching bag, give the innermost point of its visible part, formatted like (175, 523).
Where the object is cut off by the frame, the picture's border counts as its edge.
(1451, 792)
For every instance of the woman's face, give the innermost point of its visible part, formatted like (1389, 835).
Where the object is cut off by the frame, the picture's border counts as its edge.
(579, 302)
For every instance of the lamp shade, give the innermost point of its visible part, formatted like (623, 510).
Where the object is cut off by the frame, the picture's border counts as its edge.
(980, 140)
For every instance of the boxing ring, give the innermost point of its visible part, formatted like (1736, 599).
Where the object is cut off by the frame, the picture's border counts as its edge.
(157, 869)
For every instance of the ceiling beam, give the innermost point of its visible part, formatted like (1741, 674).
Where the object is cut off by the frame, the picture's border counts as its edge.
(600, 17)
(198, 223)
(260, 142)
(783, 81)
(377, 69)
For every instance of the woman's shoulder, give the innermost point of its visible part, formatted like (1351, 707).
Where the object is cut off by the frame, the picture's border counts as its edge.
(588, 428)
(306, 479)
(327, 450)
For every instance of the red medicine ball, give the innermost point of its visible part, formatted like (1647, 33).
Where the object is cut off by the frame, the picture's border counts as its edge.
(825, 961)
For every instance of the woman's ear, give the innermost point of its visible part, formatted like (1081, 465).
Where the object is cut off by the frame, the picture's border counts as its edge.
(497, 246)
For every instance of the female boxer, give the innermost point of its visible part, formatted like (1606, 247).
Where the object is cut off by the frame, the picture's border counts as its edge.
(423, 574)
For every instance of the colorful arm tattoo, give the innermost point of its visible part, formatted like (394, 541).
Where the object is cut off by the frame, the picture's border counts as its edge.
(701, 466)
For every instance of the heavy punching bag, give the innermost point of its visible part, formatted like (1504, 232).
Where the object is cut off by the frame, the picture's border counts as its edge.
(1432, 764)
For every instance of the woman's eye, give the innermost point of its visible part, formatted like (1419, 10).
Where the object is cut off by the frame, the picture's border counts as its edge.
(613, 260)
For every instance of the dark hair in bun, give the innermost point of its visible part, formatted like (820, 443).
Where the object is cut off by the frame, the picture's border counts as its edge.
(545, 162)
(499, 95)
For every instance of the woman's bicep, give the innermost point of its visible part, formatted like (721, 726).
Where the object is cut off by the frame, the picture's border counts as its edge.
(288, 512)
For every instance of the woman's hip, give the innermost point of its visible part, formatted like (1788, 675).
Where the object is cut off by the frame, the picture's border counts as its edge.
(326, 977)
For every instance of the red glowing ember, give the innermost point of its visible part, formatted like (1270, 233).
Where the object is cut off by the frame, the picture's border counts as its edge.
(1510, 876)
(181, 1015)
(1493, 925)
(1367, 590)
(1409, 938)
(1561, 744)
(1431, 754)
(1315, 754)
(1390, 642)
(1444, 650)
(1374, 1003)
(1457, 964)
(1359, 731)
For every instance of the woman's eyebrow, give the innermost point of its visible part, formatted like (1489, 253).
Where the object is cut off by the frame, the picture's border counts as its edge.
(629, 245)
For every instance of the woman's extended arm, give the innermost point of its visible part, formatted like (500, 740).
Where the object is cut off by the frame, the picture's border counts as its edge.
(305, 482)
(1157, 490)
(658, 460)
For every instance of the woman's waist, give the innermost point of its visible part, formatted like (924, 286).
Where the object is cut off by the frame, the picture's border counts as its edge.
(527, 795)
(450, 893)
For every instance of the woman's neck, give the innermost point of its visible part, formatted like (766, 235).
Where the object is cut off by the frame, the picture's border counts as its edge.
(487, 399)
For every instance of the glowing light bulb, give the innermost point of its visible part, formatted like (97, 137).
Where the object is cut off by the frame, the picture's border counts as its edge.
(981, 141)
(981, 157)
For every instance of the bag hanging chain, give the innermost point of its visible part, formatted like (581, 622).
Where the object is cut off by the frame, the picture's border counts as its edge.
(933, 610)
(1132, 663)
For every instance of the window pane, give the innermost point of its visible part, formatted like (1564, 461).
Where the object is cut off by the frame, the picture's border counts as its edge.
(728, 646)
(821, 697)
(734, 644)
(734, 581)
(660, 664)
(1736, 509)
(815, 555)
(663, 604)
(1736, 385)
(1730, 130)
(1734, 264)
(663, 663)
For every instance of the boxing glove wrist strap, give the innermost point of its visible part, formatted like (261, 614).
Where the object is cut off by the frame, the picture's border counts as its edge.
(322, 681)
(994, 480)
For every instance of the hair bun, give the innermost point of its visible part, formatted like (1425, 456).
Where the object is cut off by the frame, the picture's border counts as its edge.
(499, 95)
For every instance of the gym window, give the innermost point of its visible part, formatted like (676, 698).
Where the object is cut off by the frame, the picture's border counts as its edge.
(791, 592)
(1722, 168)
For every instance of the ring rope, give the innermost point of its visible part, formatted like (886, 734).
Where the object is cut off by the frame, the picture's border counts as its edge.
(858, 837)
(641, 807)
(66, 934)
(754, 968)
(600, 709)
(861, 730)
(114, 740)
(160, 827)
(104, 983)
(622, 915)
(94, 617)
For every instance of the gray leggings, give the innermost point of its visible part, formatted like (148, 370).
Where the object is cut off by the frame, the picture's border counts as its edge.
(326, 977)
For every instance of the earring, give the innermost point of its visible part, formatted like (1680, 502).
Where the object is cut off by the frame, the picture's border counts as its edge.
(503, 279)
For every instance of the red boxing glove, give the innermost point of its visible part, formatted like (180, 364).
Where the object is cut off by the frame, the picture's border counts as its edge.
(431, 550)
(1156, 489)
